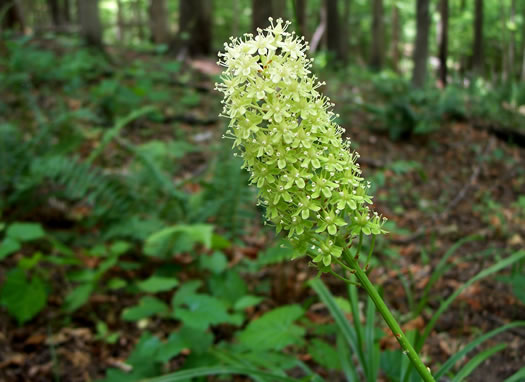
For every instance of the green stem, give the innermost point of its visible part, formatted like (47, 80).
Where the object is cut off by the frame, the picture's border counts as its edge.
(350, 282)
(389, 318)
(370, 252)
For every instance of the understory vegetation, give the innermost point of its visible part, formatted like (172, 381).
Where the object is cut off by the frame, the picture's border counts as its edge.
(132, 246)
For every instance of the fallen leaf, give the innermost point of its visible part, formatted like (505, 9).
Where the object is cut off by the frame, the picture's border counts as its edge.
(15, 359)
(35, 339)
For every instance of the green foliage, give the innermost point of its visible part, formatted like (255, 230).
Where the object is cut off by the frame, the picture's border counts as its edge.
(234, 209)
(148, 306)
(274, 330)
(403, 111)
(363, 343)
(76, 138)
(24, 298)
(18, 233)
(156, 284)
(177, 239)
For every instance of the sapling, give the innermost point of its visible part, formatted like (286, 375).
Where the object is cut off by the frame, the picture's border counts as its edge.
(307, 175)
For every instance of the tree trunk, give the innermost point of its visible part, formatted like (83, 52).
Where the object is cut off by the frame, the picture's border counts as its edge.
(523, 44)
(512, 39)
(319, 31)
(279, 9)
(376, 56)
(195, 28)
(477, 59)
(503, 43)
(89, 21)
(158, 21)
(54, 11)
(421, 47)
(333, 33)
(65, 11)
(345, 32)
(13, 17)
(396, 34)
(120, 22)
(137, 7)
(261, 11)
(443, 41)
(300, 18)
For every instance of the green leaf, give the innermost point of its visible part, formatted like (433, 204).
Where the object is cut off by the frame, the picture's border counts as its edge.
(114, 131)
(185, 291)
(78, 297)
(156, 284)
(228, 286)
(148, 306)
(481, 275)
(440, 269)
(23, 299)
(119, 248)
(472, 345)
(246, 302)
(324, 354)
(274, 330)
(178, 238)
(117, 283)
(517, 282)
(202, 310)
(8, 246)
(197, 341)
(215, 263)
(519, 376)
(186, 375)
(348, 332)
(27, 263)
(476, 361)
(25, 231)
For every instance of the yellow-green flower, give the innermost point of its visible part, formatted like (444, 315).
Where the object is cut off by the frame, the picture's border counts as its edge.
(306, 174)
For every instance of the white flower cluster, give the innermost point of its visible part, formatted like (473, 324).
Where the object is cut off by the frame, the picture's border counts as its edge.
(307, 176)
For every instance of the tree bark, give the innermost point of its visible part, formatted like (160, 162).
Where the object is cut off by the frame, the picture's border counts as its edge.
(195, 28)
(523, 44)
(503, 43)
(376, 56)
(421, 47)
(333, 32)
(443, 41)
(13, 17)
(54, 11)
(477, 59)
(89, 21)
(319, 31)
(137, 7)
(120, 22)
(158, 21)
(345, 32)
(66, 11)
(512, 39)
(396, 34)
(261, 11)
(279, 9)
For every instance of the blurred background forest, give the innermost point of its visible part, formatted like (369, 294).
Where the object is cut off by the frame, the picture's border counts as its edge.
(131, 245)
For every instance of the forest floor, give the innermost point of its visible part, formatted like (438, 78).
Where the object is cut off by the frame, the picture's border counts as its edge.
(435, 190)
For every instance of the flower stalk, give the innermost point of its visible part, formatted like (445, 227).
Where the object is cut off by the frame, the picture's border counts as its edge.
(390, 320)
(307, 175)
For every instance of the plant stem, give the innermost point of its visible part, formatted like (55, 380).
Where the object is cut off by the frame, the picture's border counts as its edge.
(389, 318)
